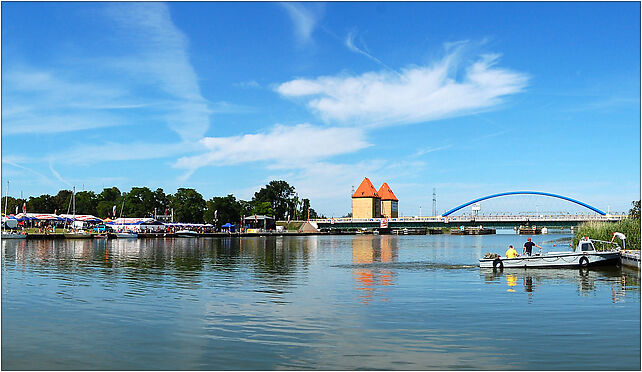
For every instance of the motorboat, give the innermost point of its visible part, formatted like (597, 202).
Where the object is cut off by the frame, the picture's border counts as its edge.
(186, 234)
(12, 235)
(584, 255)
(127, 235)
(77, 235)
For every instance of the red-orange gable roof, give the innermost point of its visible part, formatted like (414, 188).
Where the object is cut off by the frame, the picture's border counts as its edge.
(385, 193)
(365, 190)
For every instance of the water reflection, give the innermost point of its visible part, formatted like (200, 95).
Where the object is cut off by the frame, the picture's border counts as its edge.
(620, 280)
(367, 249)
(298, 303)
(274, 262)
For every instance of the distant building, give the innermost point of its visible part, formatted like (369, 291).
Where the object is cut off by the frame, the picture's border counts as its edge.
(389, 202)
(366, 203)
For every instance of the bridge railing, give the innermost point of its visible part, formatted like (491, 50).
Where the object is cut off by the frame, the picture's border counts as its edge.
(481, 218)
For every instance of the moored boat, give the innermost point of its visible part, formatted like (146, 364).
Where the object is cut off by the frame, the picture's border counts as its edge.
(78, 235)
(127, 235)
(186, 234)
(583, 256)
(8, 235)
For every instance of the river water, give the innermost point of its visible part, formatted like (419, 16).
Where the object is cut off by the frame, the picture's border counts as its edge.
(317, 302)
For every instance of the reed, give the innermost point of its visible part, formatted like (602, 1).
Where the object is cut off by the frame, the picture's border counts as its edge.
(605, 230)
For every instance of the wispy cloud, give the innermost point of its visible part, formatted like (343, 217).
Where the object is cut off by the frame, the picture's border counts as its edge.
(304, 19)
(151, 77)
(112, 151)
(57, 175)
(163, 59)
(251, 84)
(418, 94)
(428, 150)
(34, 103)
(606, 104)
(283, 146)
(350, 44)
(41, 176)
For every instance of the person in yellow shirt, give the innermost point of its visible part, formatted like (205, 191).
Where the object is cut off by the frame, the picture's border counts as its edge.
(511, 252)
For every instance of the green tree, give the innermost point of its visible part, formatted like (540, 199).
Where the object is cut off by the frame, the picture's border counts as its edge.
(11, 204)
(305, 208)
(62, 201)
(246, 208)
(85, 202)
(227, 209)
(263, 208)
(41, 204)
(279, 194)
(635, 210)
(189, 206)
(161, 202)
(293, 212)
(140, 202)
(106, 201)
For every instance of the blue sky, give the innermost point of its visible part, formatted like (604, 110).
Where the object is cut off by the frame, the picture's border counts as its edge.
(468, 98)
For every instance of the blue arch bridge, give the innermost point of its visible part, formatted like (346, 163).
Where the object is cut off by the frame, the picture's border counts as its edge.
(448, 219)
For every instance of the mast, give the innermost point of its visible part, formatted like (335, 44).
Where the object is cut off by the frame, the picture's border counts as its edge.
(68, 207)
(73, 195)
(6, 200)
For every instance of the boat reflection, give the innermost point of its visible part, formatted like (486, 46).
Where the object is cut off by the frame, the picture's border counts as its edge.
(368, 249)
(621, 281)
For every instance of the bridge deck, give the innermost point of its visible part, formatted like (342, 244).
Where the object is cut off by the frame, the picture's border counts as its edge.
(508, 221)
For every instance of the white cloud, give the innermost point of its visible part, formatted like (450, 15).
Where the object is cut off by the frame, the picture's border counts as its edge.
(162, 59)
(303, 18)
(417, 94)
(283, 146)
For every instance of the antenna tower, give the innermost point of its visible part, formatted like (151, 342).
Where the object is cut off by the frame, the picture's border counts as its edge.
(434, 201)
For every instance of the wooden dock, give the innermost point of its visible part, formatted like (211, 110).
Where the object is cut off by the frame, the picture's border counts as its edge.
(630, 258)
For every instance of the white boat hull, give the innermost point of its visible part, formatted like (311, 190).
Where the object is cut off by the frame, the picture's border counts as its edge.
(13, 236)
(186, 234)
(553, 259)
(127, 235)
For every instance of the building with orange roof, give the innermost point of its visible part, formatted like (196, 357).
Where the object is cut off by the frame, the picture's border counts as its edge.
(389, 202)
(366, 202)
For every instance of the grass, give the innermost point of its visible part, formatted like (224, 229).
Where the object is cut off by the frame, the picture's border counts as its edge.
(605, 230)
(292, 226)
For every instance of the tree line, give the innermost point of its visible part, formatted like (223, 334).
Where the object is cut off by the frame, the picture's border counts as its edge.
(276, 199)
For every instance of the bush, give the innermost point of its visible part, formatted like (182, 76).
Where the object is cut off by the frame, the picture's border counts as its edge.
(605, 230)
